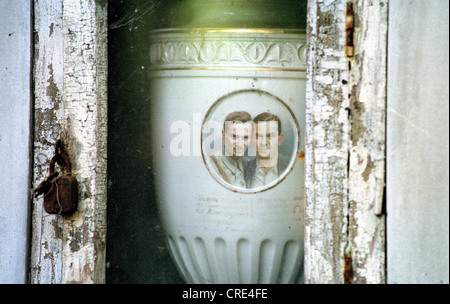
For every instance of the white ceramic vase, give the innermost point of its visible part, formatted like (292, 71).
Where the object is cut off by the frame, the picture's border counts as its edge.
(218, 232)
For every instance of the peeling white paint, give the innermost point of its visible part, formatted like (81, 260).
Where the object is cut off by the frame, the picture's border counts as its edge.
(46, 229)
(78, 56)
(367, 155)
(345, 143)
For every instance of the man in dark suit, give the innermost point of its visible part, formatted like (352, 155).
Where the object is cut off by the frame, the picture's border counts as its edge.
(268, 164)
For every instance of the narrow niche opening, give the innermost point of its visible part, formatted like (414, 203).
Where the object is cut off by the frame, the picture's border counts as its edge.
(206, 141)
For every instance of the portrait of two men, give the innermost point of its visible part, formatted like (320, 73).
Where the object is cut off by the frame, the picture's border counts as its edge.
(235, 165)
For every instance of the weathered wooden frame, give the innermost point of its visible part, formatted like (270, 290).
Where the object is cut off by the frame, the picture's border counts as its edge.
(345, 148)
(70, 79)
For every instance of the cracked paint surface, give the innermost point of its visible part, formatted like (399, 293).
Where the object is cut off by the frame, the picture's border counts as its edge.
(70, 88)
(344, 233)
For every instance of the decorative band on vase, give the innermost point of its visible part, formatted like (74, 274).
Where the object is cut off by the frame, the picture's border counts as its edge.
(240, 49)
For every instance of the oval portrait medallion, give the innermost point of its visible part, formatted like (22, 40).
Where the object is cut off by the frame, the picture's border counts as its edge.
(250, 140)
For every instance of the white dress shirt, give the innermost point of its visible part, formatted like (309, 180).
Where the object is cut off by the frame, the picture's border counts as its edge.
(262, 179)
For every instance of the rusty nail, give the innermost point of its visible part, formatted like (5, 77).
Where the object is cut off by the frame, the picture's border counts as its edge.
(350, 29)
